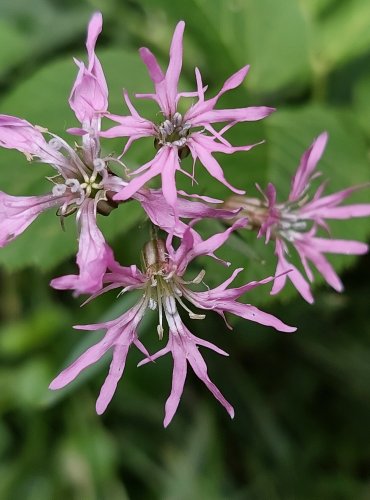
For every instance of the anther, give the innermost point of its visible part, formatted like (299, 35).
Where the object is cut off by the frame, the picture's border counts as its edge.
(99, 164)
(179, 142)
(160, 332)
(73, 184)
(198, 279)
(185, 129)
(177, 119)
(167, 127)
(152, 304)
(55, 143)
(59, 189)
(196, 316)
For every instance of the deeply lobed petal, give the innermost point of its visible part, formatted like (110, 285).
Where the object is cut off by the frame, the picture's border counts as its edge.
(166, 85)
(307, 165)
(183, 346)
(326, 207)
(189, 248)
(92, 256)
(286, 270)
(18, 212)
(119, 336)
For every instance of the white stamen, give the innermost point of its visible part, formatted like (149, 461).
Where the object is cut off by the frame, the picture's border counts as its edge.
(184, 129)
(174, 132)
(196, 316)
(198, 279)
(177, 119)
(152, 304)
(73, 184)
(160, 331)
(59, 189)
(55, 143)
(179, 142)
(299, 225)
(168, 127)
(99, 164)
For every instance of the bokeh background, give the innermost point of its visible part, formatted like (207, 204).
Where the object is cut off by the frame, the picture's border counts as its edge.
(302, 425)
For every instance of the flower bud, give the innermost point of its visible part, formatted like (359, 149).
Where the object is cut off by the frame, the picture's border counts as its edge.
(254, 209)
(154, 255)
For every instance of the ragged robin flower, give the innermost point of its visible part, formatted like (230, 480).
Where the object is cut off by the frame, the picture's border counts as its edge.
(83, 184)
(164, 289)
(295, 223)
(178, 135)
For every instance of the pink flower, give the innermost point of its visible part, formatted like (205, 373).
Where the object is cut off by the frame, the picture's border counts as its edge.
(83, 183)
(177, 136)
(164, 289)
(297, 221)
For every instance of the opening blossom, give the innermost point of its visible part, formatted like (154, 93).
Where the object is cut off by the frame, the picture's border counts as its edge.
(178, 135)
(295, 223)
(163, 288)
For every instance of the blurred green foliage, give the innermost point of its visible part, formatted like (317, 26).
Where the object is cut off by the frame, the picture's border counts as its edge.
(302, 401)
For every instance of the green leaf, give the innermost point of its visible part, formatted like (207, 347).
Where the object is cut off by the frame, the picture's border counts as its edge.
(25, 385)
(343, 35)
(269, 35)
(43, 25)
(11, 37)
(194, 469)
(33, 332)
(361, 102)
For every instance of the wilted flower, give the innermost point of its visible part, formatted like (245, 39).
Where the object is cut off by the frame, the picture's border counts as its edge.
(297, 221)
(164, 289)
(178, 135)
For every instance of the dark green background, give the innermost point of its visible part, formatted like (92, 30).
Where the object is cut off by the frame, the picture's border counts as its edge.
(302, 401)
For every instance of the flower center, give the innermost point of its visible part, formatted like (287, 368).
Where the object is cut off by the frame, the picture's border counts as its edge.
(165, 288)
(89, 184)
(173, 132)
(289, 224)
(278, 220)
(86, 186)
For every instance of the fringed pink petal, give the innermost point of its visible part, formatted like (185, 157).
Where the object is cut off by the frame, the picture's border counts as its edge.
(92, 256)
(153, 168)
(18, 212)
(286, 270)
(116, 369)
(307, 165)
(178, 380)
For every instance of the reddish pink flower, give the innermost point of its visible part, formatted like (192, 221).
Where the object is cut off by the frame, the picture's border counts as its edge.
(177, 136)
(296, 222)
(164, 289)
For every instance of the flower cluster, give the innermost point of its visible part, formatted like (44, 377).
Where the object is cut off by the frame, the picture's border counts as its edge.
(86, 184)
